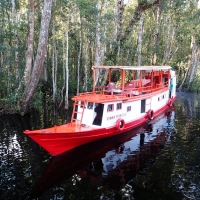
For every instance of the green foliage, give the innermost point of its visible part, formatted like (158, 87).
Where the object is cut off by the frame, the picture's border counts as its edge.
(87, 7)
(195, 85)
(109, 62)
(145, 2)
(37, 100)
(72, 86)
(178, 18)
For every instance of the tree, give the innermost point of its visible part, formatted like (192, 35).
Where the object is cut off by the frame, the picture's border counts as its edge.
(67, 63)
(194, 54)
(140, 32)
(29, 43)
(39, 59)
(16, 40)
(97, 32)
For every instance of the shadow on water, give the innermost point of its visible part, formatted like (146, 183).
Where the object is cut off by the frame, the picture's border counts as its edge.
(159, 161)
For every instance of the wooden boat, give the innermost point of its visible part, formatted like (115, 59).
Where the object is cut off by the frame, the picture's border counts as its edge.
(140, 94)
(125, 152)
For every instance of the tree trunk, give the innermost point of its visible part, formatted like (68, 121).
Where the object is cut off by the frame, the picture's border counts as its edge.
(104, 45)
(157, 34)
(63, 87)
(194, 61)
(116, 21)
(86, 65)
(120, 14)
(41, 52)
(79, 54)
(104, 33)
(120, 23)
(54, 63)
(112, 47)
(2, 28)
(139, 45)
(97, 58)
(169, 43)
(183, 81)
(78, 66)
(29, 43)
(16, 40)
(67, 64)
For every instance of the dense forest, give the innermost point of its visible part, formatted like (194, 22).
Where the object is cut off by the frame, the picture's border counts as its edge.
(47, 47)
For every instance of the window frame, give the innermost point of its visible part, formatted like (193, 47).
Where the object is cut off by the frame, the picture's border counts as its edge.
(112, 106)
(90, 105)
(128, 110)
(117, 106)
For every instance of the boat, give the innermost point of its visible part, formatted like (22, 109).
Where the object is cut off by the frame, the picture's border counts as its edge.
(110, 160)
(138, 95)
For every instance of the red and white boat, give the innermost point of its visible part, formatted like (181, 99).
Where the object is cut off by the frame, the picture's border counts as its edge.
(140, 94)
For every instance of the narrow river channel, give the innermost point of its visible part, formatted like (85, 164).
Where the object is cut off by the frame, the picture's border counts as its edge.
(159, 160)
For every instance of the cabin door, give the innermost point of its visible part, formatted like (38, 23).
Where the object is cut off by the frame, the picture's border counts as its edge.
(145, 105)
(99, 114)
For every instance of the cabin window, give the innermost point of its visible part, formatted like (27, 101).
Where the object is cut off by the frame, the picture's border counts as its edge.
(128, 108)
(110, 107)
(90, 105)
(82, 104)
(119, 106)
(143, 104)
(162, 97)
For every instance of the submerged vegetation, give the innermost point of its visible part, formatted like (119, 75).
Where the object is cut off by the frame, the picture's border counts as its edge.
(47, 48)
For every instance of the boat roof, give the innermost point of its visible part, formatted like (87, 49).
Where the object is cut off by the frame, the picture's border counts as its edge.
(155, 68)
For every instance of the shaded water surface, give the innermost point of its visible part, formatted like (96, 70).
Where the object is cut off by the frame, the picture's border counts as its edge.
(159, 160)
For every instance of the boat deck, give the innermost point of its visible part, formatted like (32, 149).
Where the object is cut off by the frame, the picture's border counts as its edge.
(66, 128)
(101, 97)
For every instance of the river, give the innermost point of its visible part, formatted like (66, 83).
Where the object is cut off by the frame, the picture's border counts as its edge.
(155, 161)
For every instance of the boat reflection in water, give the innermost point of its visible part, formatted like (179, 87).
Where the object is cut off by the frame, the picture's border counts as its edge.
(112, 161)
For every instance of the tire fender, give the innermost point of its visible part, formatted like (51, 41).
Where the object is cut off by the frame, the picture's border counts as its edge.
(120, 124)
(150, 114)
(169, 102)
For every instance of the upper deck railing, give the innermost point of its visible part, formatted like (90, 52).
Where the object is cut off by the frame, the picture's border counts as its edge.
(129, 90)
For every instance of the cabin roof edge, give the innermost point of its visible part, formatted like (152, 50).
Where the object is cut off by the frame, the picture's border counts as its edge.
(153, 67)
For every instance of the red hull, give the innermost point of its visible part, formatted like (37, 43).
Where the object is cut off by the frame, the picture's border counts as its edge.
(62, 138)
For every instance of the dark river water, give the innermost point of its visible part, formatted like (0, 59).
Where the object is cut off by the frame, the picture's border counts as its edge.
(156, 161)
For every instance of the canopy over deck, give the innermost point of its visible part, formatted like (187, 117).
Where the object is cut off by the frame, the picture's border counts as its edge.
(154, 68)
